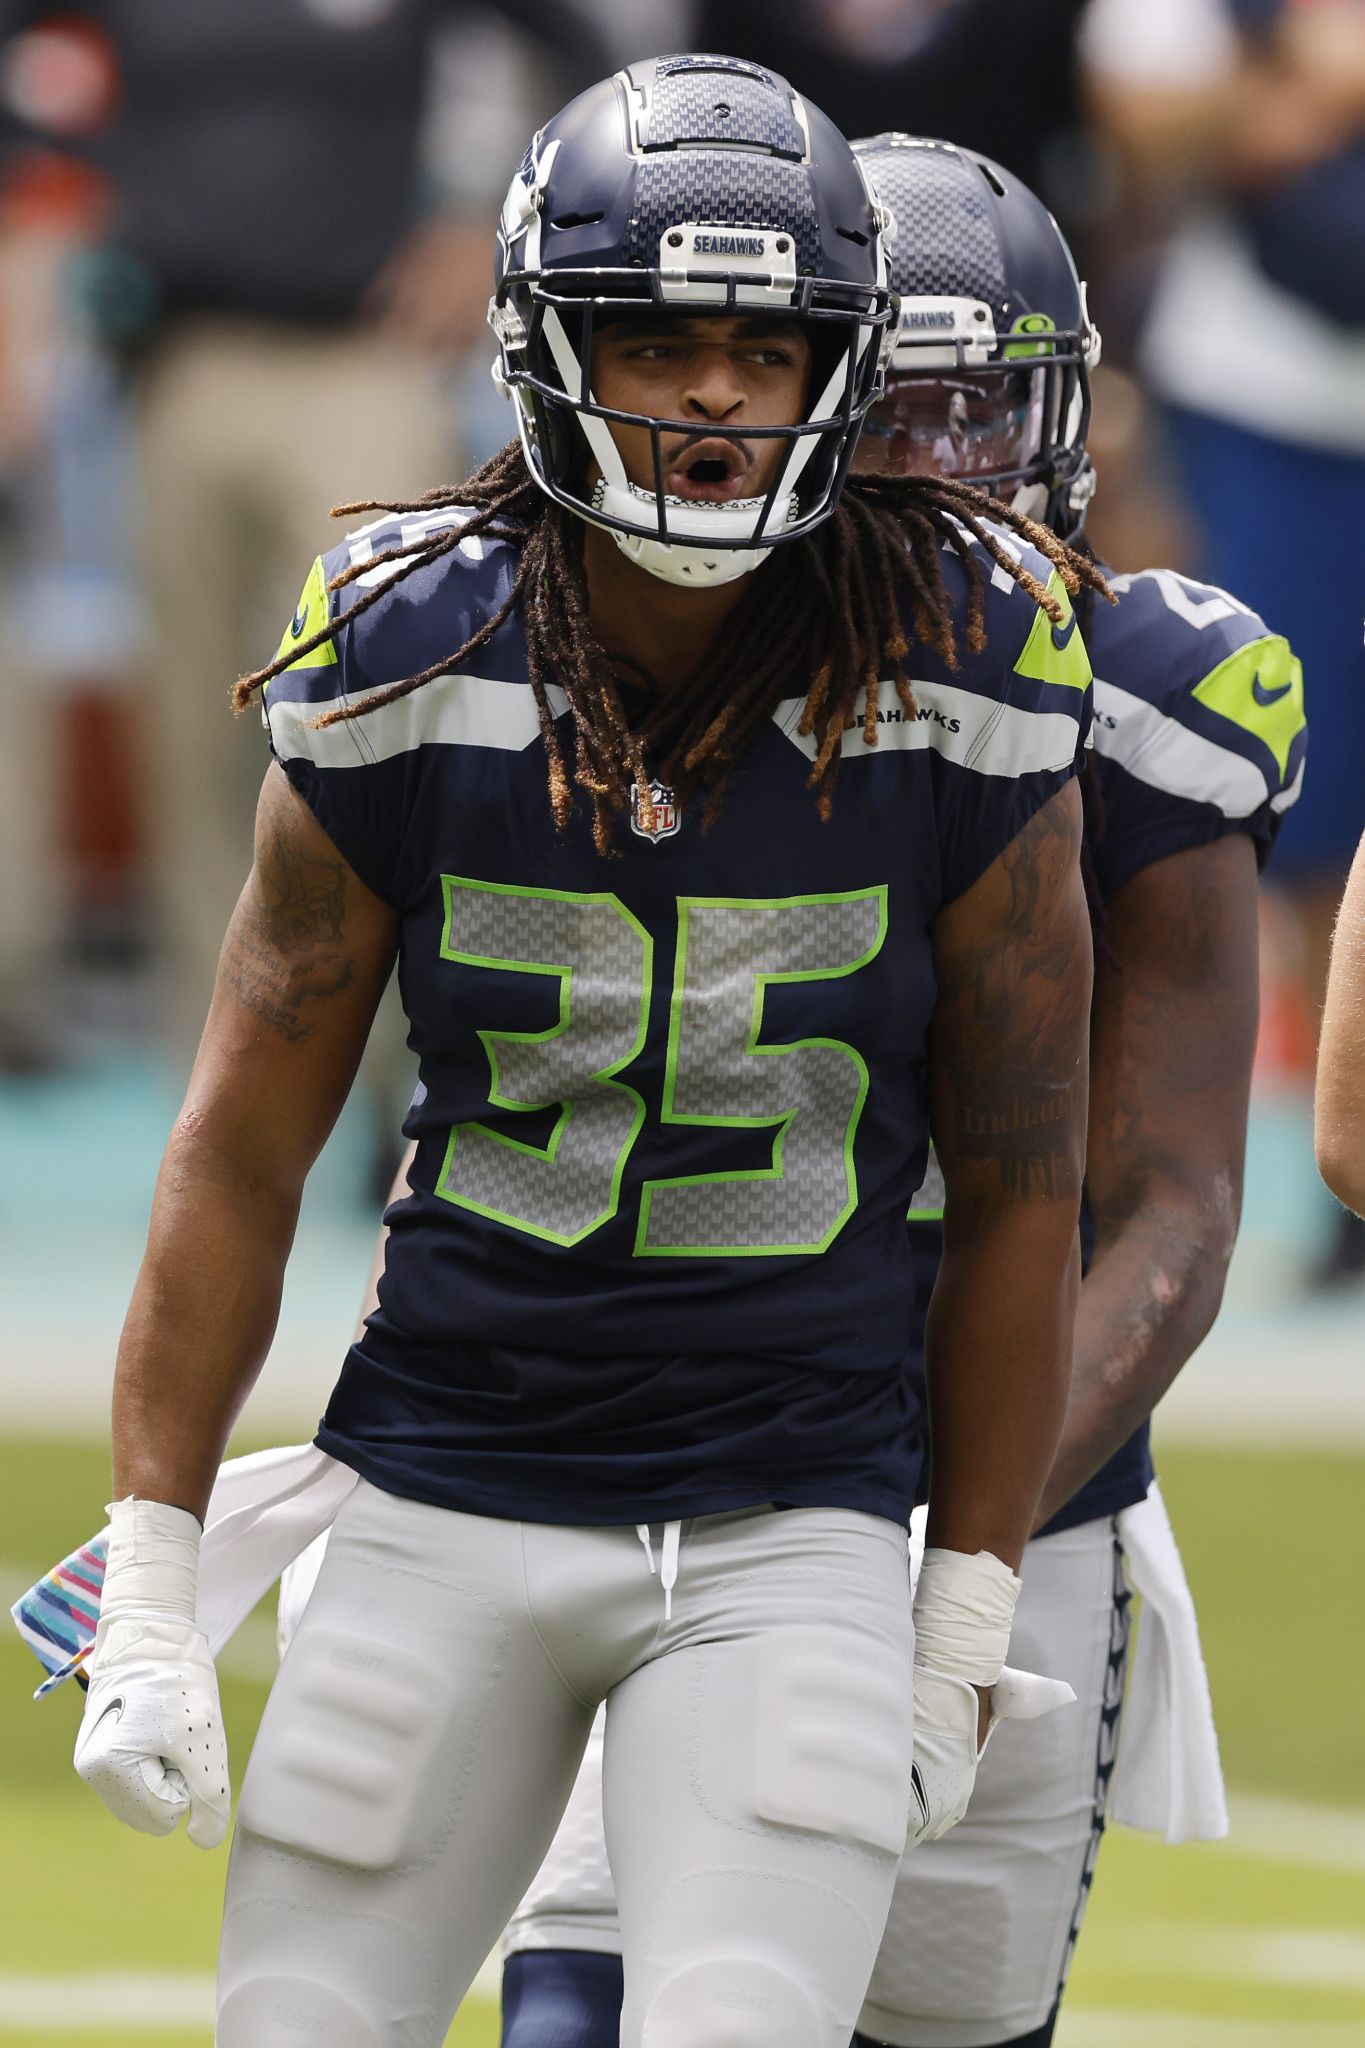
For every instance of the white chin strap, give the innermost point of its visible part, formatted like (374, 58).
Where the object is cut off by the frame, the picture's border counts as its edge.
(690, 556)
(1030, 501)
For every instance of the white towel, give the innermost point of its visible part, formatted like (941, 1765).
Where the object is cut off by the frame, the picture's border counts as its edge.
(1168, 1778)
(264, 1510)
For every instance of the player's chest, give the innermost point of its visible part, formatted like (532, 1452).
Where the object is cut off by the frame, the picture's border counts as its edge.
(768, 926)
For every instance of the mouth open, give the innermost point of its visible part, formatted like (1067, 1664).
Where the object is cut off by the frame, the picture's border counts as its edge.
(709, 471)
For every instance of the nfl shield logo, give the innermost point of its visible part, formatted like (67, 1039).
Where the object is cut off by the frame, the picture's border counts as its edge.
(667, 813)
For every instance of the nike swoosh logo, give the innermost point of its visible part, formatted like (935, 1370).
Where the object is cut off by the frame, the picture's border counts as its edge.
(1061, 635)
(114, 1707)
(917, 1787)
(1265, 698)
(297, 624)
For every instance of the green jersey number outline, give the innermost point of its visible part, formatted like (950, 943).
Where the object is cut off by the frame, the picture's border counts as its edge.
(810, 1092)
(570, 1186)
(715, 1036)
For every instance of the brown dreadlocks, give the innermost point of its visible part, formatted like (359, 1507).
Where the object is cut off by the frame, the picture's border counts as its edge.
(826, 606)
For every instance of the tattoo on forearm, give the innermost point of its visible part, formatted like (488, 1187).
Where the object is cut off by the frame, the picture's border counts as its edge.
(285, 952)
(1014, 1081)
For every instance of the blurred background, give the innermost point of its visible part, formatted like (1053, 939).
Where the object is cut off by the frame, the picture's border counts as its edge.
(244, 257)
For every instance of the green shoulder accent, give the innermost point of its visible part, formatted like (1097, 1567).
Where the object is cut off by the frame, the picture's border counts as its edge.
(313, 614)
(1055, 654)
(1260, 688)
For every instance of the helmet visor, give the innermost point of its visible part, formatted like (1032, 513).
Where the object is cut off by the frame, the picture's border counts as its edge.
(972, 424)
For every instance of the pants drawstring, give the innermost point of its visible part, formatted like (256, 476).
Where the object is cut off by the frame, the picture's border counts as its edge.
(668, 1572)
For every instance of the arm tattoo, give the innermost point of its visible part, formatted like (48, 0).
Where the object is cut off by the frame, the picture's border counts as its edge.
(286, 950)
(1011, 1026)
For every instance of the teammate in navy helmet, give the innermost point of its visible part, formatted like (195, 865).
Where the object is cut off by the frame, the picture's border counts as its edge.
(1199, 751)
(723, 821)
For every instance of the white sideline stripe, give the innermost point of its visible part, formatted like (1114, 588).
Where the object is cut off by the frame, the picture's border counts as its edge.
(124, 1998)
(1288, 1831)
(1167, 755)
(992, 738)
(1083, 2028)
(1328, 1958)
(145, 1999)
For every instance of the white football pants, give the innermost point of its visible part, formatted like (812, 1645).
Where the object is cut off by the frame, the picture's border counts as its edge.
(429, 1718)
(982, 1922)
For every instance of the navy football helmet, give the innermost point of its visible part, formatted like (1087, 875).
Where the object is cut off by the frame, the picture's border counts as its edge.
(990, 378)
(691, 184)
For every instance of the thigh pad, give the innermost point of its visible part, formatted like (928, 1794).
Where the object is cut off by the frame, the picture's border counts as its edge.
(344, 1764)
(833, 1732)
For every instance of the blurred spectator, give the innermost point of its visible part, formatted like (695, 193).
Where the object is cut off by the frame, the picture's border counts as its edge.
(990, 74)
(55, 504)
(284, 275)
(1242, 122)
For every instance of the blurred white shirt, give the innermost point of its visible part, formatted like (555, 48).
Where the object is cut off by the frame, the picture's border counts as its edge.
(1220, 337)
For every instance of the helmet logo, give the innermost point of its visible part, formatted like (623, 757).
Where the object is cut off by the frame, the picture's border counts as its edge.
(701, 261)
(1031, 323)
(943, 333)
(664, 810)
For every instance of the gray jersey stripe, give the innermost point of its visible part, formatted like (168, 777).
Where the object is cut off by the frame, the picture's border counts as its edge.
(977, 733)
(454, 711)
(1160, 751)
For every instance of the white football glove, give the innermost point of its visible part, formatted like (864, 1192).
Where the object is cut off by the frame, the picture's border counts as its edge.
(964, 1607)
(151, 1743)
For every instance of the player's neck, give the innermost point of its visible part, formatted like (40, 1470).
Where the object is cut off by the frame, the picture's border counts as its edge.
(659, 628)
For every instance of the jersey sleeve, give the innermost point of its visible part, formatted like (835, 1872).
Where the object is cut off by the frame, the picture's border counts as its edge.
(1200, 728)
(353, 783)
(1027, 704)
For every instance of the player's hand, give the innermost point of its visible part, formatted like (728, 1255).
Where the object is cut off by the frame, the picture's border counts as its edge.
(151, 1744)
(949, 1738)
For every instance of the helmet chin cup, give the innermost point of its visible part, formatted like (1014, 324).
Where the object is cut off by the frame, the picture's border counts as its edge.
(690, 567)
(691, 560)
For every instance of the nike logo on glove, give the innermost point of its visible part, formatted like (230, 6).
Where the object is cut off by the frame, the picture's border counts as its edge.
(917, 1787)
(1266, 697)
(115, 1707)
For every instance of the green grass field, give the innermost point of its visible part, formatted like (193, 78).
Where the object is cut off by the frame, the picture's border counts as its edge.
(1258, 1943)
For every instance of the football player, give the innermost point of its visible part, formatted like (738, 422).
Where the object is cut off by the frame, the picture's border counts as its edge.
(693, 945)
(1339, 1104)
(1199, 750)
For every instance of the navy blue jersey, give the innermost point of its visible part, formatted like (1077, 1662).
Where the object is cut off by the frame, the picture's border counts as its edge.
(1199, 732)
(672, 1103)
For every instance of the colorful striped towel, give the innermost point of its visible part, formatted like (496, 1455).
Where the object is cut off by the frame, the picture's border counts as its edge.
(57, 1617)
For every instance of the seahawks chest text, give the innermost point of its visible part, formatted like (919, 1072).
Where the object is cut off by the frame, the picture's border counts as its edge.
(712, 1044)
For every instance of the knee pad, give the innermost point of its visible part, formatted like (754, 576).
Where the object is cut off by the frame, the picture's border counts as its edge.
(732, 2002)
(561, 1998)
(285, 2012)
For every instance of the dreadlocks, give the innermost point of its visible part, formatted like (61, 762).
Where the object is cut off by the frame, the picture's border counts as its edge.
(827, 606)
